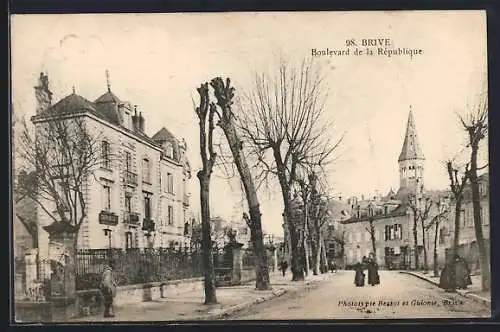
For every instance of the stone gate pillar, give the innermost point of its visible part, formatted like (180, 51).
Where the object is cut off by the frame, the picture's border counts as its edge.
(63, 278)
(237, 263)
(30, 259)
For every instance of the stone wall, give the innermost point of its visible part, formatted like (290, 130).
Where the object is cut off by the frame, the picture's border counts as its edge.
(89, 302)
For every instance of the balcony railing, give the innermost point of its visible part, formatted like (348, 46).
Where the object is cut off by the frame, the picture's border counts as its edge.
(185, 200)
(130, 178)
(108, 218)
(131, 218)
(148, 225)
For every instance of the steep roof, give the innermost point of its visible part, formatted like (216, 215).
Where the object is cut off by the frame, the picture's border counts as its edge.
(108, 97)
(105, 109)
(165, 135)
(411, 147)
(106, 105)
(72, 103)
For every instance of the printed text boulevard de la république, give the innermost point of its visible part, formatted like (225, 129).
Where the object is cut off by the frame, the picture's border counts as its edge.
(369, 47)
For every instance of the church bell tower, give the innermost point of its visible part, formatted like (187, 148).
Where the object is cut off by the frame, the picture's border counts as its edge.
(411, 160)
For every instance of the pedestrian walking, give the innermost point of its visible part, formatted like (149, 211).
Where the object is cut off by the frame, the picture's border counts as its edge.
(108, 289)
(283, 267)
(332, 266)
(359, 276)
(372, 266)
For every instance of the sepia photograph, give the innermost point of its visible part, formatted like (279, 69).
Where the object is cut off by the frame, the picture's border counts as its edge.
(271, 166)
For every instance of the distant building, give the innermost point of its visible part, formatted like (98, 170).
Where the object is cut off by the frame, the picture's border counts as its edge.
(467, 239)
(392, 218)
(137, 198)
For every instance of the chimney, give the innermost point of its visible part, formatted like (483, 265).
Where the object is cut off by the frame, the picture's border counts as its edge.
(135, 121)
(141, 123)
(43, 94)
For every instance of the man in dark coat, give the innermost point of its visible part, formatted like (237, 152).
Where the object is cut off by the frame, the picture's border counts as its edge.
(373, 276)
(283, 267)
(359, 276)
(108, 289)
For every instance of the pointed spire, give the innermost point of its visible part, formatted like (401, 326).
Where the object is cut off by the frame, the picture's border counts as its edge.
(411, 147)
(74, 90)
(108, 81)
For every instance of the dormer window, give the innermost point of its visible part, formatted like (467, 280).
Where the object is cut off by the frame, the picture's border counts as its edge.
(169, 150)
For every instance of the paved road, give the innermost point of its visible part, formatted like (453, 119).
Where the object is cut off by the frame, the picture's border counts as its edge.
(338, 298)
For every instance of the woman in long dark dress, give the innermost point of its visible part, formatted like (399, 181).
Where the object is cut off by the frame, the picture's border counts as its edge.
(462, 273)
(373, 276)
(359, 277)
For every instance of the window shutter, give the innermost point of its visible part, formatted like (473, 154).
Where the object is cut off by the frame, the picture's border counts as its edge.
(386, 232)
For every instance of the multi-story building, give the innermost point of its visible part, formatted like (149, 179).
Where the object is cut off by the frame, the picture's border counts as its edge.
(138, 195)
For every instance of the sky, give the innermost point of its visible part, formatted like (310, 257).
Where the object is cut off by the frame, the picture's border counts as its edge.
(157, 60)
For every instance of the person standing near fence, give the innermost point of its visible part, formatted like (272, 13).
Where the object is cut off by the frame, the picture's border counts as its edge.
(108, 288)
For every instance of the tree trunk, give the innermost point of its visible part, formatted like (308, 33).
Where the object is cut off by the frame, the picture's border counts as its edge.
(305, 245)
(296, 260)
(415, 241)
(372, 237)
(316, 251)
(478, 227)
(224, 95)
(456, 236)
(206, 240)
(422, 223)
(324, 259)
(435, 265)
(456, 231)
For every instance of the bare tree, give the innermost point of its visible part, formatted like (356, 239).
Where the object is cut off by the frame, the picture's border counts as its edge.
(318, 219)
(305, 192)
(421, 208)
(62, 153)
(457, 185)
(371, 231)
(442, 213)
(224, 94)
(282, 123)
(476, 126)
(206, 112)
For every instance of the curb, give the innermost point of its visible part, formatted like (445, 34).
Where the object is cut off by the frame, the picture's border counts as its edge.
(463, 293)
(222, 313)
(235, 308)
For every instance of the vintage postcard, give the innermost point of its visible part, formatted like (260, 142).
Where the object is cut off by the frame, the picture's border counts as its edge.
(250, 166)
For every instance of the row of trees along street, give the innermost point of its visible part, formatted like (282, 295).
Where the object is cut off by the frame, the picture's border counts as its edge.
(278, 125)
(277, 132)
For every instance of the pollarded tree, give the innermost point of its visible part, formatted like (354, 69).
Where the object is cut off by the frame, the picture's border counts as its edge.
(206, 112)
(441, 214)
(227, 121)
(421, 207)
(476, 126)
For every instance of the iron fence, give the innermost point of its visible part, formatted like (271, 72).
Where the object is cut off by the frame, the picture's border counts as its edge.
(137, 266)
(248, 258)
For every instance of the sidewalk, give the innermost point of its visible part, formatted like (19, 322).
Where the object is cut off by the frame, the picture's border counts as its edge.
(473, 292)
(189, 305)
